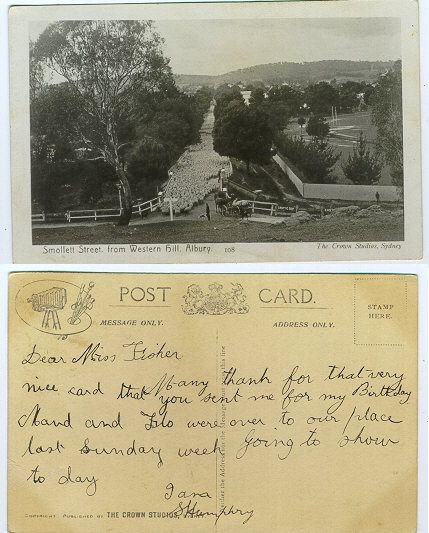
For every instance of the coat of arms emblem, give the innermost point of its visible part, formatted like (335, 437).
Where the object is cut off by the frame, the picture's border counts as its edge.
(217, 301)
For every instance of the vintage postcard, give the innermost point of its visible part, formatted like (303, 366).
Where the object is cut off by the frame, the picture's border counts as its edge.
(219, 402)
(216, 132)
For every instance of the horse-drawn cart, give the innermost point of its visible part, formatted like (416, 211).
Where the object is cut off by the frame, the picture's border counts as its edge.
(227, 205)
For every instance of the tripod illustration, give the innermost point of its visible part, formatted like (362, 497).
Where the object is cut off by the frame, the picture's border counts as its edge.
(51, 314)
(49, 303)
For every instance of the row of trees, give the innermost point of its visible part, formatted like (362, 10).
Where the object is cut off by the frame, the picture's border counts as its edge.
(317, 98)
(112, 111)
(248, 132)
(385, 102)
(386, 112)
(316, 160)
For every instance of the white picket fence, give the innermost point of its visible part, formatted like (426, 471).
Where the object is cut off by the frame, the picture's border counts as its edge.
(139, 208)
(95, 214)
(146, 207)
(150, 206)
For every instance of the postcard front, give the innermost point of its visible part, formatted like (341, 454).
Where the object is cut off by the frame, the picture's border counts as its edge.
(161, 403)
(216, 132)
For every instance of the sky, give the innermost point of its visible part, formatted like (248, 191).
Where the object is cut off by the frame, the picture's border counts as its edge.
(219, 46)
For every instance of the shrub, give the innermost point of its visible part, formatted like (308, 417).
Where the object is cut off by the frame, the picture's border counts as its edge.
(317, 127)
(314, 159)
(362, 167)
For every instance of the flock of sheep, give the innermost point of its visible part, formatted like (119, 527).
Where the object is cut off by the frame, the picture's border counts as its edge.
(195, 175)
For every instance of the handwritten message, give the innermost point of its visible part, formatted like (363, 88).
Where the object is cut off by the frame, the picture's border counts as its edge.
(206, 421)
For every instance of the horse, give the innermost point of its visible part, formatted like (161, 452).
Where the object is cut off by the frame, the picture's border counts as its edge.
(241, 208)
(222, 200)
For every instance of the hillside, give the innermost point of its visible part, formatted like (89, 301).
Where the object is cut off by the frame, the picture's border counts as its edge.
(293, 72)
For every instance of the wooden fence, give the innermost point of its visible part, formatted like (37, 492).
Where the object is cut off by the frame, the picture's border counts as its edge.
(272, 209)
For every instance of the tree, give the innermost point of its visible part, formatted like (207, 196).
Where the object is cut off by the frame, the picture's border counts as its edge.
(148, 162)
(278, 114)
(321, 97)
(301, 122)
(315, 159)
(224, 99)
(258, 84)
(36, 74)
(319, 163)
(42, 179)
(386, 114)
(257, 97)
(52, 111)
(277, 111)
(288, 96)
(362, 167)
(53, 108)
(317, 127)
(203, 98)
(349, 91)
(227, 89)
(243, 132)
(170, 129)
(184, 113)
(368, 90)
(104, 63)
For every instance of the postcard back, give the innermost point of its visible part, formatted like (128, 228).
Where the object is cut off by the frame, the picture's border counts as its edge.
(284, 403)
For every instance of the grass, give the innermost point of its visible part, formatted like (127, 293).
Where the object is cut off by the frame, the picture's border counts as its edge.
(227, 230)
(343, 139)
(255, 179)
(263, 177)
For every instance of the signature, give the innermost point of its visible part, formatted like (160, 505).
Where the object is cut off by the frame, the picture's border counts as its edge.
(190, 510)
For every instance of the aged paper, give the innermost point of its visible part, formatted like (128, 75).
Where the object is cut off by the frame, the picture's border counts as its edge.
(173, 403)
(93, 183)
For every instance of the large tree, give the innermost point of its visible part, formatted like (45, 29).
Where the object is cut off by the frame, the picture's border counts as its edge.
(105, 63)
(321, 97)
(277, 111)
(278, 114)
(224, 99)
(243, 132)
(286, 95)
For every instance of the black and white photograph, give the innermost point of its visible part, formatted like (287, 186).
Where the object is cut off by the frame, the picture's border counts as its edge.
(217, 130)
